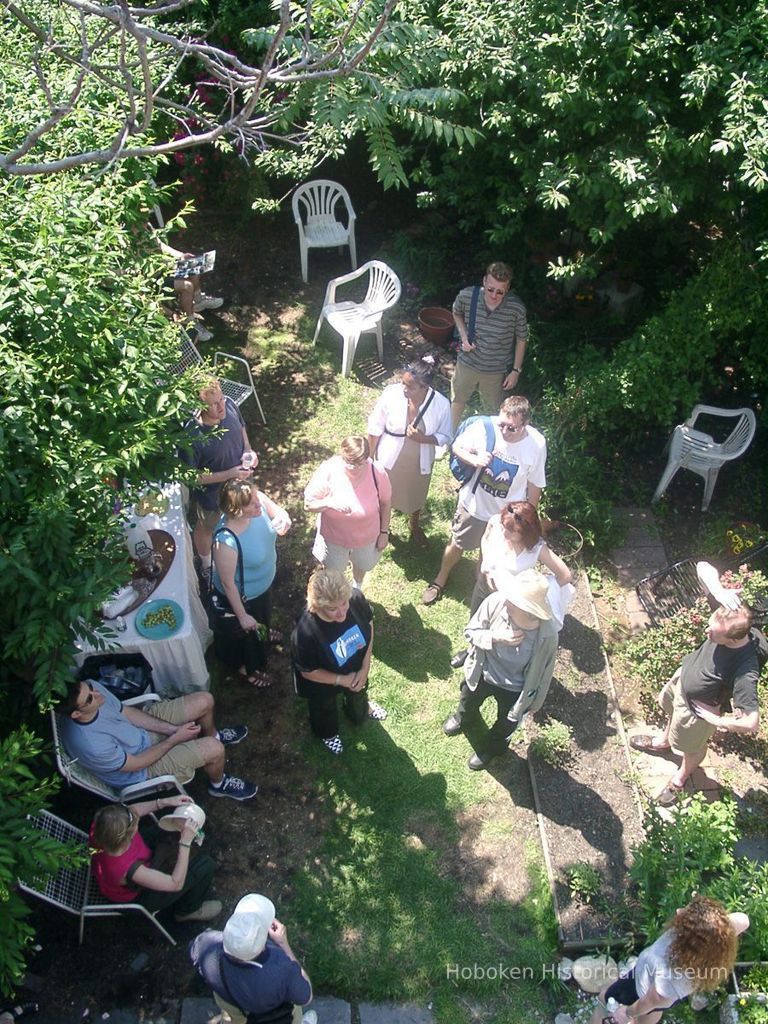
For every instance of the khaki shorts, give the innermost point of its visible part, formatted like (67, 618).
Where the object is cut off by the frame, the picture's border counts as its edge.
(208, 517)
(467, 531)
(688, 733)
(185, 758)
(334, 556)
(466, 381)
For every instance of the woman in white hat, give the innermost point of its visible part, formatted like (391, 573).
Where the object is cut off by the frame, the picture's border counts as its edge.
(513, 643)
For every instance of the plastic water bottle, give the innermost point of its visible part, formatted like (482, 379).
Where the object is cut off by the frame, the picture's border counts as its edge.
(137, 540)
(611, 1006)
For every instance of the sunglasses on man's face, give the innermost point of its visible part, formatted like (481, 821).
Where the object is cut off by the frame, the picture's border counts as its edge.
(88, 700)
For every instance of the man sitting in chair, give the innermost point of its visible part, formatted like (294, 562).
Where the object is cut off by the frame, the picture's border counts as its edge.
(251, 968)
(124, 745)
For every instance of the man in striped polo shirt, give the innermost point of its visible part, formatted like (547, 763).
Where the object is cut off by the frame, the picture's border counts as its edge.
(485, 361)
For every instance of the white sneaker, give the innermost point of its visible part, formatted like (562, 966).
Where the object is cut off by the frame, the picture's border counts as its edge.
(203, 334)
(208, 302)
(309, 1017)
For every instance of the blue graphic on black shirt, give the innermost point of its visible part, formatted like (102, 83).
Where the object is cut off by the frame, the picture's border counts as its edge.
(347, 644)
(496, 479)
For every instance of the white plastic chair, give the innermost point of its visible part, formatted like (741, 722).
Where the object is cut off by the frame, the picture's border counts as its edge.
(238, 390)
(78, 775)
(74, 889)
(351, 319)
(699, 452)
(314, 210)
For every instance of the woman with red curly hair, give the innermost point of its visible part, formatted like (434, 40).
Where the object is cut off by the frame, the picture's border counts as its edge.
(695, 954)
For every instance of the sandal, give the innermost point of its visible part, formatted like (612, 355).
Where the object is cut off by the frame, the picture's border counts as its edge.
(646, 744)
(669, 794)
(377, 712)
(432, 594)
(275, 636)
(260, 680)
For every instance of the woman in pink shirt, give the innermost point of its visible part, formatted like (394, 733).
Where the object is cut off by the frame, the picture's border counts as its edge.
(151, 867)
(354, 498)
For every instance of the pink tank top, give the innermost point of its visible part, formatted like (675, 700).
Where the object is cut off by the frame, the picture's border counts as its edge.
(109, 869)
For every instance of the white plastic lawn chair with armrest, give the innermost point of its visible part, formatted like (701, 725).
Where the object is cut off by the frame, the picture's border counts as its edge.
(315, 207)
(351, 319)
(74, 889)
(699, 452)
(239, 390)
(76, 774)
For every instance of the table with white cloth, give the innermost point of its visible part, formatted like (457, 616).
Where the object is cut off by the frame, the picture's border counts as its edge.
(178, 662)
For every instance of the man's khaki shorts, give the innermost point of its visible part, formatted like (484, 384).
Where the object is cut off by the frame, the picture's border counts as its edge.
(466, 381)
(688, 733)
(466, 529)
(182, 760)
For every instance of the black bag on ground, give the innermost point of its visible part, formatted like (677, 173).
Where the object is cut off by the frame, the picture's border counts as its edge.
(125, 675)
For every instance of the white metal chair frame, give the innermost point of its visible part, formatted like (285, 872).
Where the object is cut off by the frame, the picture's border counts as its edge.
(74, 889)
(699, 452)
(351, 319)
(237, 391)
(77, 775)
(317, 201)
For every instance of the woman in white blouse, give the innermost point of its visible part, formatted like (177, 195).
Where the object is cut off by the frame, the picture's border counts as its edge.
(407, 423)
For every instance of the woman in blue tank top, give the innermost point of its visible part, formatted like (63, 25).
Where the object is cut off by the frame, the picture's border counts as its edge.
(244, 563)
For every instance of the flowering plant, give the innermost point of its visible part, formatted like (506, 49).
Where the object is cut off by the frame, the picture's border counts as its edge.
(742, 536)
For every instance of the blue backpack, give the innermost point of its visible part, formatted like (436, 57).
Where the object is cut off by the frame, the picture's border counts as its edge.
(460, 469)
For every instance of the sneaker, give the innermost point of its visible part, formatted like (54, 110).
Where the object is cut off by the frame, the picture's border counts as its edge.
(236, 789)
(205, 912)
(309, 1017)
(334, 744)
(208, 302)
(232, 734)
(203, 334)
(376, 711)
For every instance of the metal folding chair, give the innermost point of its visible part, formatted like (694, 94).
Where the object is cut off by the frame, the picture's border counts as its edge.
(74, 889)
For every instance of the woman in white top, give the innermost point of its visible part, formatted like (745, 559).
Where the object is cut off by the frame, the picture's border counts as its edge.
(695, 954)
(512, 543)
(407, 423)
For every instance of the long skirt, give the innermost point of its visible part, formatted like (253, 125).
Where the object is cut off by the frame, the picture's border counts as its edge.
(409, 486)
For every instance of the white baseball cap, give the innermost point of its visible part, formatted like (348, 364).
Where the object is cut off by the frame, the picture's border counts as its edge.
(245, 933)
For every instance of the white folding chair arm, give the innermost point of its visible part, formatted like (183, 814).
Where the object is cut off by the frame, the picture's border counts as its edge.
(151, 786)
(235, 359)
(143, 698)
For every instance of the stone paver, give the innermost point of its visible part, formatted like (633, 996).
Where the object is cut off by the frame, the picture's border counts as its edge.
(394, 1013)
(331, 1011)
(199, 1010)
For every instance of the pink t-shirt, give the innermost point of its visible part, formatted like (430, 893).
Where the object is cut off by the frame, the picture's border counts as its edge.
(361, 525)
(108, 869)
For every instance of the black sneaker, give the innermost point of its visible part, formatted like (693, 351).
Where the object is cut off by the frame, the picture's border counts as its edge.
(232, 734)
(234, 788)
(451, 726)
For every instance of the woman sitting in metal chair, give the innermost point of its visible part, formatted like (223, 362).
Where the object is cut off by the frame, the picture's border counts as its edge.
(149, 866)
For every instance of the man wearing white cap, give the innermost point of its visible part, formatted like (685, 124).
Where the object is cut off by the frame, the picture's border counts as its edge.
(513, 644)
(251, 967)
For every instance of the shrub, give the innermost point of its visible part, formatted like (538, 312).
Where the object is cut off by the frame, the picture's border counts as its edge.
(584, 881)
(24, 853)
(553, 743)
(694, 853)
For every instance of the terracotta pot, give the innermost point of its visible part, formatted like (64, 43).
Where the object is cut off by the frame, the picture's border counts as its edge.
(436, 325)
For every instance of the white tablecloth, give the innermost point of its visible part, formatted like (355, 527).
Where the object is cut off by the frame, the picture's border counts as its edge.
(178, 663)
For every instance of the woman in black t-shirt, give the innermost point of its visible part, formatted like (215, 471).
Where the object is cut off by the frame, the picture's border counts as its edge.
(332, 646)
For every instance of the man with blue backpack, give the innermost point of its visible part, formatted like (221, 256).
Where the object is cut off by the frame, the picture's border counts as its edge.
(497, 459)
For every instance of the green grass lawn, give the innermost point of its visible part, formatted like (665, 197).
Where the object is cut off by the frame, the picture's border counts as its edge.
(381, 914)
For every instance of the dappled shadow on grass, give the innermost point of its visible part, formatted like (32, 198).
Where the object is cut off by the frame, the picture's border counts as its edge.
(382, 917)
(415, 651)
